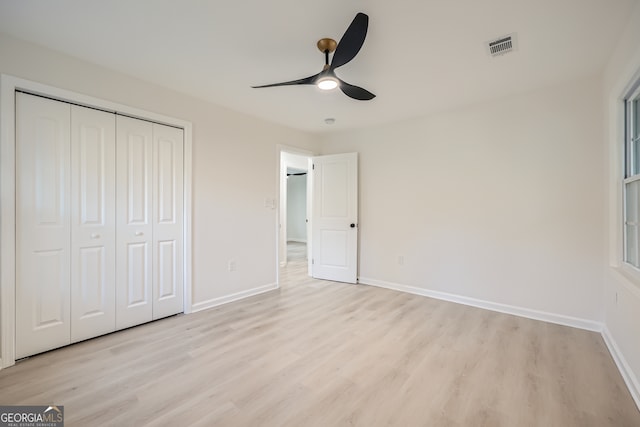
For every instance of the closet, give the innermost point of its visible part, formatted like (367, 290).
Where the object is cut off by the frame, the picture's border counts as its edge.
(99, 222)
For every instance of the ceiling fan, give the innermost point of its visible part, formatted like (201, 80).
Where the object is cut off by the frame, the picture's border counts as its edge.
(343, 52)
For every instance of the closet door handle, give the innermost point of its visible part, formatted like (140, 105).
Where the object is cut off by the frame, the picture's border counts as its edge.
(139, 233)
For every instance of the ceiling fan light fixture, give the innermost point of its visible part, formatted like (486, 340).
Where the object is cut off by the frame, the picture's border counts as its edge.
(343, 53)
(327, 83)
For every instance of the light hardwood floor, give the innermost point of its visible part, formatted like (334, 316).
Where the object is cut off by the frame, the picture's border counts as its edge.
(325, 354)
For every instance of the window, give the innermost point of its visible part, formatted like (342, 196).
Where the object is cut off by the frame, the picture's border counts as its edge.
(632, 180)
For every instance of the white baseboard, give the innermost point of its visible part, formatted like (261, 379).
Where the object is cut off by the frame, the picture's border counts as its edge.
(559, 319)
(625, 370)
(214, 302)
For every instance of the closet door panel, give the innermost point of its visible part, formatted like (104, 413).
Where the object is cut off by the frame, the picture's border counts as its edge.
(134, 226)
(93, 221)
(167, 221)
(42, 224)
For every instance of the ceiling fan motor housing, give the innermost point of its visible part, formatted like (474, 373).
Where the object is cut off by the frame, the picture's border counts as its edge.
(327, 45)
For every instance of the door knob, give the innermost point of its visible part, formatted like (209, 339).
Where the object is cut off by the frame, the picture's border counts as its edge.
(352, 225)
(139, 233)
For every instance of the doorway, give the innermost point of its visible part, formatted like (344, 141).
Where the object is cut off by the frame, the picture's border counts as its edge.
(296, 215)
(330, 218)
(294, 235)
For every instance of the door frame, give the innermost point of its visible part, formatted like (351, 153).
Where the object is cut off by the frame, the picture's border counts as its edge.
(8, 86)
(281, 178)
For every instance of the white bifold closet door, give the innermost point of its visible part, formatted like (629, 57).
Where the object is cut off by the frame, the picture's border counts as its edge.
(149, 221)
(43, 234)
(99, 223)
(168, 218)
(65, 224)
(134, 222)
(93, 223)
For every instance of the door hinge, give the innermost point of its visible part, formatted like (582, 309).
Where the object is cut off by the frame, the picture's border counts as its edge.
(313, 261)
(313, 166)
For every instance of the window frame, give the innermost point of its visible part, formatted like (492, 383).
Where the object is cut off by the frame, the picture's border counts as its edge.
(631, 171)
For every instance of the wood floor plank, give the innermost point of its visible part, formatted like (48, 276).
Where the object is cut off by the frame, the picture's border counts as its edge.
(317, 353)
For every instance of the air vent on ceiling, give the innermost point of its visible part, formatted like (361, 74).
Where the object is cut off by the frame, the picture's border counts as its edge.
(502, 45)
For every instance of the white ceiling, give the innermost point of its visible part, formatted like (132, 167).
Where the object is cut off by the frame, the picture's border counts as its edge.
(420, 56)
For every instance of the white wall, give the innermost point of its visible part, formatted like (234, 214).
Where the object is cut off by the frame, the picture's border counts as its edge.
(498, 203)
(297, 208)
(235, 167)
(622, 291)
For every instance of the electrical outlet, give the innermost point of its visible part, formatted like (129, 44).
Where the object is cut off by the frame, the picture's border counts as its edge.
(232, 265)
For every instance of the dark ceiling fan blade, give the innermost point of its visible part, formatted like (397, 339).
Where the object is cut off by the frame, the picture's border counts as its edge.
(306, 81)
(351, 42)
(355, 92)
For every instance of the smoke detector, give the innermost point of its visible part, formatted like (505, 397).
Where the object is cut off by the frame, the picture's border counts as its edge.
(502, 45)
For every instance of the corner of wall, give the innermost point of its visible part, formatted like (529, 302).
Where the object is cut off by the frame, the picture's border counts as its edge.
(621, 297)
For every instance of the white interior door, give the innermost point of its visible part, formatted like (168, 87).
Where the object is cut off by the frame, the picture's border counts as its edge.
(167, 221)
(93, 223)
(42, 224)
(134, 239)
(335, 217)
